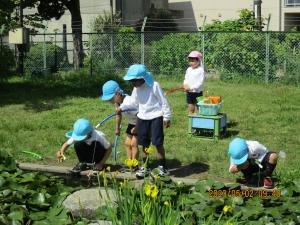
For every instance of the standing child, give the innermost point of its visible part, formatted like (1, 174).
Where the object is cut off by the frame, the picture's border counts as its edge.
(90, 145)
(194, 80)
(251, 157)
(113, 93)
(153, 113)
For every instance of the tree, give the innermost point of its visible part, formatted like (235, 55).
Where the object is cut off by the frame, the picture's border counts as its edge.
(245, 22)
(106, 23)
(49, 9)
(158, 20)
(10, 20)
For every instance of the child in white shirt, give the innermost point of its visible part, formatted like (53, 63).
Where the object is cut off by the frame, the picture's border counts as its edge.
(90, 145)
(194, 81)
(251, 157)
(112, 92)
(153, 113)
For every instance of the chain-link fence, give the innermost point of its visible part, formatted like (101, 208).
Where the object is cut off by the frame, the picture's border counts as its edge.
(263, 55)
(7, 56)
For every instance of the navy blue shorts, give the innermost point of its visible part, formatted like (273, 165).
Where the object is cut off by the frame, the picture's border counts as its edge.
(129, 128)
(191, 97)
(150, 131)
(93, 153)
(254, 168)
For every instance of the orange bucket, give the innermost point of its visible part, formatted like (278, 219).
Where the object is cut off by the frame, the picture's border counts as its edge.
(215, 99)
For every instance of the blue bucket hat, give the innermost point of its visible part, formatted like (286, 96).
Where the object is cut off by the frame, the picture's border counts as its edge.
(139, 71)
(238, 151)
(81, 128)
(109, 89)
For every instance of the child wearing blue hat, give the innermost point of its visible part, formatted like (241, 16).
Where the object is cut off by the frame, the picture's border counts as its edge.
(112, 92)
(90, 145)
(251, 157)
(153, 113)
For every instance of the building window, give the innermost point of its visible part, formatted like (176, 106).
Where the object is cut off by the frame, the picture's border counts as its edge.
(292, 3)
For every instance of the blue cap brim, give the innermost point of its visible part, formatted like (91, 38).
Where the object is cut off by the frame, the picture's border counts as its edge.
(129, 77)
(148, 78)
(240, 161)
(78, 138)
(107, 97)
(69, 134)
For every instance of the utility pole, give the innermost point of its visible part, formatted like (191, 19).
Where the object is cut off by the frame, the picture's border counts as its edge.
(21, 46)
(257, 14)
(112, 30)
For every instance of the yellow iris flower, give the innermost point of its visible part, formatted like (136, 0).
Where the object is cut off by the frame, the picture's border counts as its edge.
(150, 150)
(151, 190)
(227, 209)
(131, 162)
(147, 189)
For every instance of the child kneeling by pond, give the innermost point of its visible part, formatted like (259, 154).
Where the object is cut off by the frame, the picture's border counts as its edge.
(252, 157)
(90, 146)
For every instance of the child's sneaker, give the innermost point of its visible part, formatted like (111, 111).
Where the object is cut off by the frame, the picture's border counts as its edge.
(268, 183)
(160, 171)
(142, 172)
(124, 169)
(79, 167)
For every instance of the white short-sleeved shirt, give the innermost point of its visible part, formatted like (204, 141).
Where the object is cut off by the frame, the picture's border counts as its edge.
(194, 78)
(151, 101)
(256, 150)
(129, 103)
(96, 136)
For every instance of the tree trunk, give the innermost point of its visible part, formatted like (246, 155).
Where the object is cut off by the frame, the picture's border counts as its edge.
(74, 8)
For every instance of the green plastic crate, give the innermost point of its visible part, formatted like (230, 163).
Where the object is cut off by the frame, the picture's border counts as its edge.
(209, 109)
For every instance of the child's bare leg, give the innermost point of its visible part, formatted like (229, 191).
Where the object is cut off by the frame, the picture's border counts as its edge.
(128, 146)
(161, 155)
(273, 158)
(195, 109)
(191, 108)
(271, 164)
(134, 148)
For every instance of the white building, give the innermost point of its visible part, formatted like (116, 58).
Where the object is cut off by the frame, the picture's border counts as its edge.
(284, 14)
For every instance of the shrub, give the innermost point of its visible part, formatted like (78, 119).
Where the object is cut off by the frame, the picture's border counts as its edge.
(7, 61)
(242, 53)
(34, 61)
(169, 55)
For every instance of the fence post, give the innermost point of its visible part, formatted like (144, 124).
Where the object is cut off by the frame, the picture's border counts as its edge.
(1, 41)
(111, 45)
(203, 41)
(91, 54)
(267, 67)
(267, 57)
(55, 53)
(44, 54)
(143, 41)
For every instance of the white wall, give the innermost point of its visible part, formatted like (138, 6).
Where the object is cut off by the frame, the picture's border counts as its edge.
(229, 9)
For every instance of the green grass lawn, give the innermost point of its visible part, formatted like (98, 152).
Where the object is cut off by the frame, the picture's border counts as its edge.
(35, 115)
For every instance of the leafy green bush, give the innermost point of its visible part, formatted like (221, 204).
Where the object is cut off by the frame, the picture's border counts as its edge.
(169, 55)
(34, 61)
(287, 52)
(7, 61)
(125, 40)
(122, 43)
(240, 53)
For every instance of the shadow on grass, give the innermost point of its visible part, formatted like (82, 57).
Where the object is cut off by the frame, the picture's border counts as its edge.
(177, 170)
(230, 133)
(186, 170)
(49, 93)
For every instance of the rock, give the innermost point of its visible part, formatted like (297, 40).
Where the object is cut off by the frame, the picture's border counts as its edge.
(84, 203)
(101, 222)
